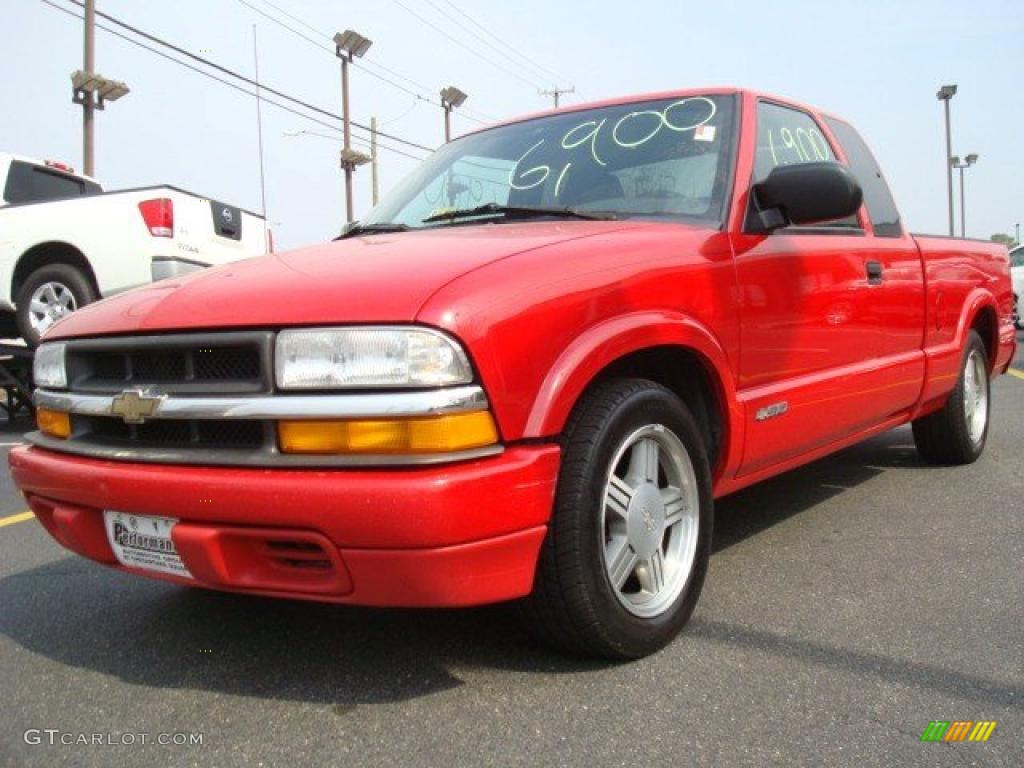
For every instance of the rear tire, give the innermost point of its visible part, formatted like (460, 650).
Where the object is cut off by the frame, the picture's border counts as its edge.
(47, 295)
(629, 541)
(957, 433)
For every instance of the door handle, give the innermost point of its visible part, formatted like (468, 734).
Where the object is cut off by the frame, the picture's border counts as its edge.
(874, 270)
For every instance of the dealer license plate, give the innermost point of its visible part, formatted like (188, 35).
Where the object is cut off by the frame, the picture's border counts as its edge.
(141, 541)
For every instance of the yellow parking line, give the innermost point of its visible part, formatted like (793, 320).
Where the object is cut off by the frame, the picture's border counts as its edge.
(1015, 372)
(21, 517)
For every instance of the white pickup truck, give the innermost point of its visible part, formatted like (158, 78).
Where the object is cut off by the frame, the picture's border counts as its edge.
(1017, 273)
(64, 242)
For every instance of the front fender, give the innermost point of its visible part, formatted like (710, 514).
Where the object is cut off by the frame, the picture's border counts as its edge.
(602, 344)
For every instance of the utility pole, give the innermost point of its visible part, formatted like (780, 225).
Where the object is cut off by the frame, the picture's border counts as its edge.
(88, 107)
(91, 90)
(349, 44)
(945, 95)
(374, 167)
(1016, 237)
(259, 140)
(451, 97)
(556, 93)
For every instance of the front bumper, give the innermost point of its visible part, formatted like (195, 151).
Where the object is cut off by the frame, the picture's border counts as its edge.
(458, 534)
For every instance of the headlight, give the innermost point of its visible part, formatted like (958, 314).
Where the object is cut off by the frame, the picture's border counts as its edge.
(48, 369)
(350, 358)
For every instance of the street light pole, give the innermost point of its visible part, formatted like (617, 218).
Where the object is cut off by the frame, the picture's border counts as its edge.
(451, 97)
(349, 44)
(945, 94)
(347, 140)
(88, 108)
(954, 162)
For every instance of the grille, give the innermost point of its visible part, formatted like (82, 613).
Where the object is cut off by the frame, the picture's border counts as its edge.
(219, 434)
(223, 364)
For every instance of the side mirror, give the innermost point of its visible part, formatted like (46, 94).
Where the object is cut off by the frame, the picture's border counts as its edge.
(804, 194)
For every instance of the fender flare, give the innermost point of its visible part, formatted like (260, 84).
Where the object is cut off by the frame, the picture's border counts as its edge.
(976, 301)
(610, 340)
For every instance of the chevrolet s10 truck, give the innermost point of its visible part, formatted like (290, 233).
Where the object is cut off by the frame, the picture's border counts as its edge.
(526, 374)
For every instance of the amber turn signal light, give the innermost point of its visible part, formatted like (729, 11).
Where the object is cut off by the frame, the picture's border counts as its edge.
(53, 423)
(430, 434)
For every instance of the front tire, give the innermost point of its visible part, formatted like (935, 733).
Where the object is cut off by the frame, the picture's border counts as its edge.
(957, 433)
(47, 295)
(629, 541)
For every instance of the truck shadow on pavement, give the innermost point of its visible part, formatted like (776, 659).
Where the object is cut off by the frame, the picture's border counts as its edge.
(160, 636)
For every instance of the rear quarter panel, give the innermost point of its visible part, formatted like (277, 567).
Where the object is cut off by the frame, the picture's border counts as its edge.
(963, 278)
(100, 227)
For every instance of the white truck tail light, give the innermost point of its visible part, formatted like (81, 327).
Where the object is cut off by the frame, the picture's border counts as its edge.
(159, 216)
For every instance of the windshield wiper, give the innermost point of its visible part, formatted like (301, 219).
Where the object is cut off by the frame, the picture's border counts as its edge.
(356, 229)
(517, 211)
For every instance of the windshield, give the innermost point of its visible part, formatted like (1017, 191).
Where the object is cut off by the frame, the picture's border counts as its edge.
(664, 158)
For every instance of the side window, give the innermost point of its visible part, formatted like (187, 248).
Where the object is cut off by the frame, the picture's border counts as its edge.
(885, 218)
(1017, 257)
(787, 136)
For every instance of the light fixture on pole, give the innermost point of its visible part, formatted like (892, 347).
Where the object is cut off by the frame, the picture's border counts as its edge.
(954, 162)
(92, 92)
(945, 94)
(451, 97)
(349, 45)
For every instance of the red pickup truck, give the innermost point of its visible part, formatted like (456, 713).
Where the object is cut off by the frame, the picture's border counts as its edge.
(526, 374)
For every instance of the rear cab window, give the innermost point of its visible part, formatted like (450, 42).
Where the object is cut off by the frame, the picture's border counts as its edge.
(882, 210)
(29, 183)
(790, 136)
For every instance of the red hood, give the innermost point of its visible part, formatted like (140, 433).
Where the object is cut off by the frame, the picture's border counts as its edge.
(373, 279)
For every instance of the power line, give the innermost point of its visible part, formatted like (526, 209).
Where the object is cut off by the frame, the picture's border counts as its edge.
(362, 64)
(461, 44)
(243, 78)
(501, 42)
(222, 81)
(297, 20)
(361, 142)
(517, 59)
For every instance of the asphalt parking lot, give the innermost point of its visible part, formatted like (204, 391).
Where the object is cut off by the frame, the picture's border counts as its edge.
(849, 603)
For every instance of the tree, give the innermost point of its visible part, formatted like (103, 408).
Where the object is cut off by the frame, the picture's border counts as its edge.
(1006, 240)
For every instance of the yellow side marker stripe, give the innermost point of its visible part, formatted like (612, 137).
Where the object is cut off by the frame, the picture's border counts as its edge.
(1014, 372)
(21, 517)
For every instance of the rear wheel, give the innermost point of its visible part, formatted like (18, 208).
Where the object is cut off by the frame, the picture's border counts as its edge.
(628, 545)
(47, 295)
(957, 433)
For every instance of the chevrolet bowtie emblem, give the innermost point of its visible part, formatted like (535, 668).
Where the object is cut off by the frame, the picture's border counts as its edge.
(134, 407)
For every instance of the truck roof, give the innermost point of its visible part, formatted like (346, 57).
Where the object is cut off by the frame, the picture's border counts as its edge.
(6, 157)
(634, 98)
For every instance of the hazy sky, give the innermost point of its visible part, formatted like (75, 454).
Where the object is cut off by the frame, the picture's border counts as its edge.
(876, 62)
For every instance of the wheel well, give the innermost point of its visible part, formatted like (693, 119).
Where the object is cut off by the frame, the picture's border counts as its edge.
(685, 373)
(50, 253)
(986, 325)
